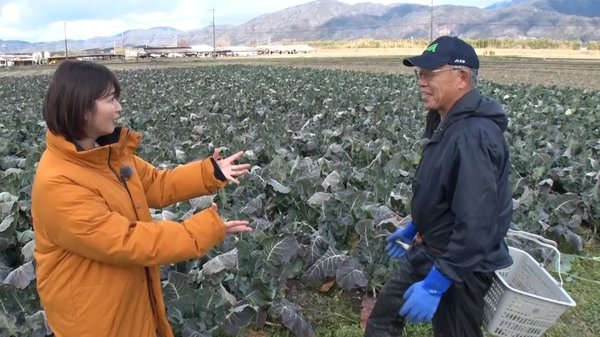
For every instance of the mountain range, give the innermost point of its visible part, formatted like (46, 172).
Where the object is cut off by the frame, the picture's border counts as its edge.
(334, 20)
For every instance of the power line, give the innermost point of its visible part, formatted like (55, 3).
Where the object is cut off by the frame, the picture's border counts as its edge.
(66, 50)
(431, 23)
(372, 27)
(330, 30)
(339, 29)
(213, 29)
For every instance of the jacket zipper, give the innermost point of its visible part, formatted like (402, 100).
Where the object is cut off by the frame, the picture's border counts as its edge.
(146, 270)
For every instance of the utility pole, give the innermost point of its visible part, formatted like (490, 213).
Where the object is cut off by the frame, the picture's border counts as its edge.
(431, 23)
(214, 36)
(66, 50)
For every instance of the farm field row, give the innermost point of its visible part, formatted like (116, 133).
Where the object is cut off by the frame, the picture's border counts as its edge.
(332, 154)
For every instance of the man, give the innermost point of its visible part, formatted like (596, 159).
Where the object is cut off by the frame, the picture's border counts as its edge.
(461, 205)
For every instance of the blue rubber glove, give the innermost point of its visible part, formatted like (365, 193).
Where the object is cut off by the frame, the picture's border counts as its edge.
(406, 234)
(422, 298)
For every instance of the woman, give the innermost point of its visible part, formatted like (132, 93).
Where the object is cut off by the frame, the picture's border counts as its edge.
(97, 248)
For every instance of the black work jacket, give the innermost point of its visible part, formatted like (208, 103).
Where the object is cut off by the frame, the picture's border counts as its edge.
(462, 200)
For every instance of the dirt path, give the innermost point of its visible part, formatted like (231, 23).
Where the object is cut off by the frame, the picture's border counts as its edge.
(574, 68)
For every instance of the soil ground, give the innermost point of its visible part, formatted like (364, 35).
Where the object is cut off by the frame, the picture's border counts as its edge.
(572, 68)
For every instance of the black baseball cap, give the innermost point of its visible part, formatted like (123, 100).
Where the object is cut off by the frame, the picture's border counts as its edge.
(445, 50)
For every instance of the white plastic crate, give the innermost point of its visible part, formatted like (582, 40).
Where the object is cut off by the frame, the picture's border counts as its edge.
(524, 299)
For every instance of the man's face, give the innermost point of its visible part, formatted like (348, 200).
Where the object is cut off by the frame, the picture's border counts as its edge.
(441, 87)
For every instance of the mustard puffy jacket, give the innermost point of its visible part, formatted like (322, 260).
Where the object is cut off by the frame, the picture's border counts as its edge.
(97, 249)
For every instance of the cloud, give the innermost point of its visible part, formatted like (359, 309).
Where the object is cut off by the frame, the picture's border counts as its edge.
(11, 13)
(39, 20)
(44, 20)
(42, 12)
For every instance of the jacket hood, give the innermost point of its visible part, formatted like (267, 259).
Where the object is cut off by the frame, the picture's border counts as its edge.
(114, 147)
(472, 104)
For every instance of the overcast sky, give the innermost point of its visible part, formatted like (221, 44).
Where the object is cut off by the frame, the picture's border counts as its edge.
(45, 20)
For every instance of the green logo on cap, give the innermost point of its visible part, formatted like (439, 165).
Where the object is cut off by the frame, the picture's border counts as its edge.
(432, 48)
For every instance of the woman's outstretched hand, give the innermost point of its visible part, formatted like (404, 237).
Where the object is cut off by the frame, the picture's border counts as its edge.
(230, 169)
(234, 226)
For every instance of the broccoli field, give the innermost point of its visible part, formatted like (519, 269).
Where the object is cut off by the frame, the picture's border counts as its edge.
(332, 155)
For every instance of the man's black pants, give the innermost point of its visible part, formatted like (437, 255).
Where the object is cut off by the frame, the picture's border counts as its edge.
(459, 314)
